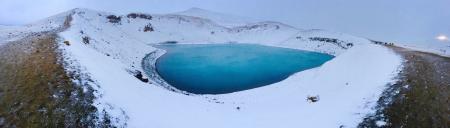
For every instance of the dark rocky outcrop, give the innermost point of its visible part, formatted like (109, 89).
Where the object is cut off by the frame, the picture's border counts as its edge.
(139, 15)
(340, 43)
(138, 75)
(148, 28)
(114, 18)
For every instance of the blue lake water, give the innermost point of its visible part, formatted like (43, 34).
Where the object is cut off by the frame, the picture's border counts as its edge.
(226, 68)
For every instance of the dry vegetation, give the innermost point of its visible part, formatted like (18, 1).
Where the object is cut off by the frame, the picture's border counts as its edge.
(35, 89)
(420, 99)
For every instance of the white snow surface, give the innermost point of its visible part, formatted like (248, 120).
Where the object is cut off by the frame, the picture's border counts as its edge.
(348, 85)
(439, 48)
(220, 18)
(12, 33)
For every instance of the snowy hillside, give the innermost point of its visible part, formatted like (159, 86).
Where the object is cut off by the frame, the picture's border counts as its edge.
(220, 18)
(3, 26)
(110, 48)
(440, 48)
(11, 33)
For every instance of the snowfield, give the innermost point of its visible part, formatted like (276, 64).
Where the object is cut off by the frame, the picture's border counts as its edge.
(222, 19)
(12, 33)
(347, 86)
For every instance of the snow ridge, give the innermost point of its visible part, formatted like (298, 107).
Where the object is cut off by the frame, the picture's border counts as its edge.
(111, 47)
(220, 18)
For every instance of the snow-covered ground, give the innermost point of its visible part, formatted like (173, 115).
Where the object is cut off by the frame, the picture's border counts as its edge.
(440, 48)
(11, 33)
(347, 85)
(220, 18)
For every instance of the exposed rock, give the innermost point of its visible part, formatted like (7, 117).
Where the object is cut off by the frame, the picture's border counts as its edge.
(139, 15)
(114, 18)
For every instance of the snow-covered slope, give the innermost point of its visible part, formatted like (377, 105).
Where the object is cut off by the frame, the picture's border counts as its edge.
(220, 18)
(3, 26)
(440, 48)
(110, 49)
(11, 33)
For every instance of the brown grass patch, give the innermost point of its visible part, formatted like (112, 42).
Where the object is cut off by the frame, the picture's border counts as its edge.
(420, 99)
(35, 89)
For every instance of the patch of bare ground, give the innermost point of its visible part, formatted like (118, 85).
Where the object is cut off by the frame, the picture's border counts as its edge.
(420, 97)
(36, 90)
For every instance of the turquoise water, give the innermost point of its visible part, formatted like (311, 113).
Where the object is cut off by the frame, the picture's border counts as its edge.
(226, 68)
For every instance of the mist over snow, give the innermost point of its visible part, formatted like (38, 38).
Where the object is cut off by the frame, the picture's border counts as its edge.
(397, 21)
(113, 42)
(345, 82)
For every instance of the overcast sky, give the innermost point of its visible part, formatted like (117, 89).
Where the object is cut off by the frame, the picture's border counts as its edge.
(417, 21)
